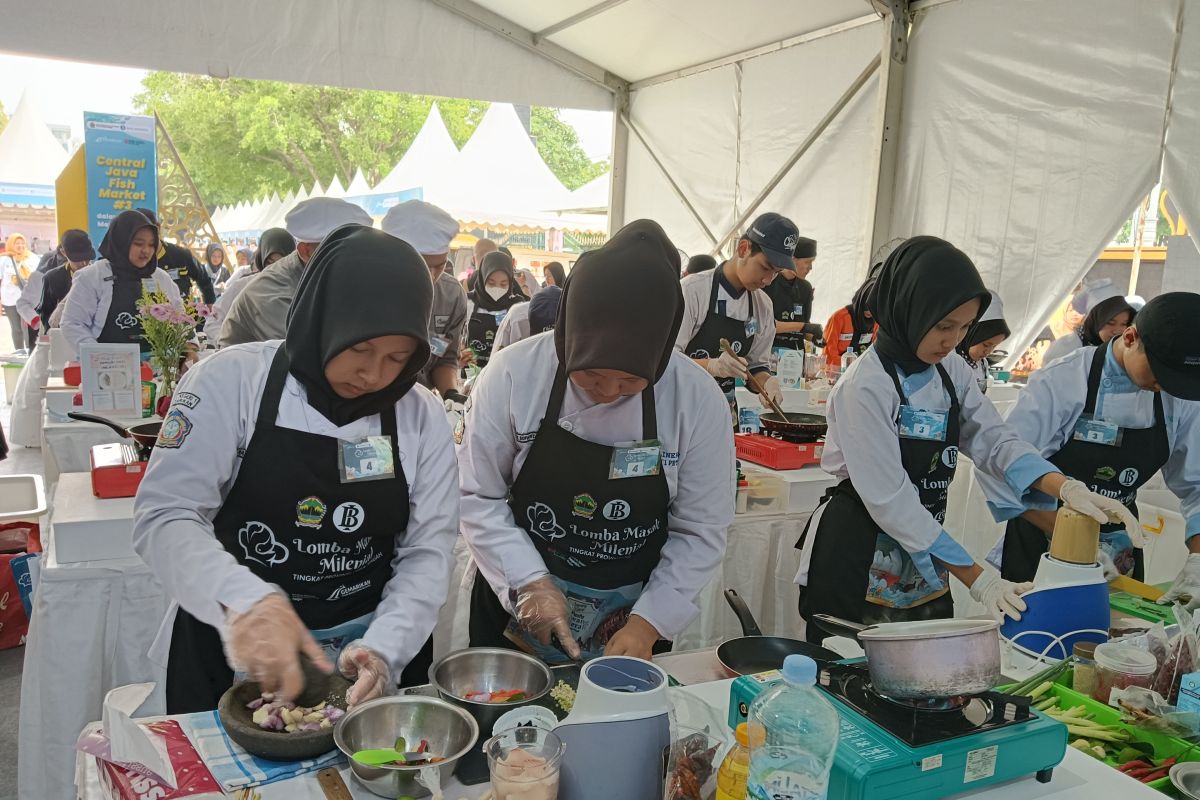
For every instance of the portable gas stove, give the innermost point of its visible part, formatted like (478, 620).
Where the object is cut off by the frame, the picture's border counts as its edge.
(895, 748)
(778, 451)
(117, 470)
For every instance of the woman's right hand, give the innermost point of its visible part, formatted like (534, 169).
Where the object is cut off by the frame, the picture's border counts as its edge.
(266, 642)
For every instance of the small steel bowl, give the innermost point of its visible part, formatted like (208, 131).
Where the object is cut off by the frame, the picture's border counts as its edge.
(489, 669)
(450, 731)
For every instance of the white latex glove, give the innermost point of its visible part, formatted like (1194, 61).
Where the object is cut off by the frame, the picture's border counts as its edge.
(371, 675)
(1075, 494)
(728, 366)
(1106, 563)
(1000, 597)
(541, 609)
(266, 643)
(773, 390)
(1187, 584)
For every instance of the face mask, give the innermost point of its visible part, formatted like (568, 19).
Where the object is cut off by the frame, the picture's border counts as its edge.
(496, 292)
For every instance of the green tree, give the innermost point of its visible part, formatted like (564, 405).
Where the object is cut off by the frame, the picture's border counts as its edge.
(242, 139)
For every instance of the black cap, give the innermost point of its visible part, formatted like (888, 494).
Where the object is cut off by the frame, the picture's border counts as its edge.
(1173, 354)
(777, 236)
(805, 248)
(77, 246)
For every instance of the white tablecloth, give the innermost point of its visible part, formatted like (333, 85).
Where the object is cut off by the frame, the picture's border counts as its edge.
(67, 445)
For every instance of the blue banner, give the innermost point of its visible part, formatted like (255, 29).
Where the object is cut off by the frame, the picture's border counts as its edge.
(27, 194)
(121, 167)
(378, 204)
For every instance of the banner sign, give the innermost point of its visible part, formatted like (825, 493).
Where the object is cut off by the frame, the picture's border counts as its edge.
(121, 167)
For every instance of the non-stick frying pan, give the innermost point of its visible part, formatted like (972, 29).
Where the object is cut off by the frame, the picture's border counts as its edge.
(754, 652)
(807, 425)
(143, 434)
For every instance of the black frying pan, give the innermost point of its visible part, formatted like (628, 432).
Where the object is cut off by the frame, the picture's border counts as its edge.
(755, 653)
(143, 434)
(813, 426)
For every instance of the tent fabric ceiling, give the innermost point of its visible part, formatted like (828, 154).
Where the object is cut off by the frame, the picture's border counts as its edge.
(1181, 166)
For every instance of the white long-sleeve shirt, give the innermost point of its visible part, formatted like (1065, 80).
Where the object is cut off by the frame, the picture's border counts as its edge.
(507, 406)
(240, 279)
(513, 328)
(90, 296)
(1048, 407)
(862, 444)
(185, 487)
(697, 289)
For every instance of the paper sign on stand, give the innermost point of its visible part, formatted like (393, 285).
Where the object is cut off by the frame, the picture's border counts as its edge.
(112, 378)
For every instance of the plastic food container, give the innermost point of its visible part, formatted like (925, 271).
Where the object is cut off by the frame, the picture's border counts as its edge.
(1083, 672)
(1119, 666)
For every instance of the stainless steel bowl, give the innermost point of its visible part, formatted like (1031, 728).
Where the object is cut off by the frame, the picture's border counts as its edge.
(489, 669)
(450, 731)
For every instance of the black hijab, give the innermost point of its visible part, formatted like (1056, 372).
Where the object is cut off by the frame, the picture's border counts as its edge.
(603, 325)
(556, 269)
(859, 313)
(273, 240)
(361, 283)
(1099, 316)
(921, 282)
(119, 238)
(495, 261)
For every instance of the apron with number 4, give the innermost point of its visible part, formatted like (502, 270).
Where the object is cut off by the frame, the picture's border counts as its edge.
(717, 326)
(1112, 461)
(597, 516)
(850, 550)
(311, 514)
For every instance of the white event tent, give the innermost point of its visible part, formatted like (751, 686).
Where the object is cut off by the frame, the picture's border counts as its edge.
(1025, 131)
(432, 153)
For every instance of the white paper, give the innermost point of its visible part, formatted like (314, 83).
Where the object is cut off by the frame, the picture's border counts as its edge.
(130, 742)
(112, 378)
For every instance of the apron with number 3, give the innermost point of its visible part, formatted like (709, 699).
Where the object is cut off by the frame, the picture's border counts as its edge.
(597, 516)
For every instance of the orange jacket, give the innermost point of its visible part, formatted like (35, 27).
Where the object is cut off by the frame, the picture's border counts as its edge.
(839, 335)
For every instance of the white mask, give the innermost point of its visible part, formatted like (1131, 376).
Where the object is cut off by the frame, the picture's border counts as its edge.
(496, 292)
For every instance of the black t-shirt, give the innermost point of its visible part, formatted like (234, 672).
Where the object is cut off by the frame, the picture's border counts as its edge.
(792, 300)
(184, 269)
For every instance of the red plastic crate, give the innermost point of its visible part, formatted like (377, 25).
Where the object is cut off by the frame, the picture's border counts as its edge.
(776, 453)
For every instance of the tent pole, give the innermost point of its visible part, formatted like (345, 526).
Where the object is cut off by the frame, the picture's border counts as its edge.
(808, 142)
(670, 180)
(887, 148)
(620, 162)
(575, 19)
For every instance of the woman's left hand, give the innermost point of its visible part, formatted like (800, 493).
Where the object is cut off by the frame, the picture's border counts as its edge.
(371, 675)
(636, 639)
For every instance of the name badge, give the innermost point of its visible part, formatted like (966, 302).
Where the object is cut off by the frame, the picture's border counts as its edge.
(635, 459)
(864, 338)
(846, 337)
(1097, 431)
(751, 326)
(920, 423)
(366, 459)
(500, 315)
(798, 311)
(438, 345)
(148, 285)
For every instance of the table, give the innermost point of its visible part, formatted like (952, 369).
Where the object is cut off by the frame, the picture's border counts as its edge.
(1078, 777)
(91, 626)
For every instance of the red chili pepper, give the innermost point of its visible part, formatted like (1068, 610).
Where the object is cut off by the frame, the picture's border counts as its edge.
(1155, 775)
(423, 746)
(1130, 766)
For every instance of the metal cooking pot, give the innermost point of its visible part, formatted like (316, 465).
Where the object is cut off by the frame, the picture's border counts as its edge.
(143, 434)
(795, 424)
(927, 659)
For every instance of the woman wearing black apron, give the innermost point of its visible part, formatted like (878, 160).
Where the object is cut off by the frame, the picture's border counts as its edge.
(301, 497)
(596, 466)
(876, 550)
(494, 291)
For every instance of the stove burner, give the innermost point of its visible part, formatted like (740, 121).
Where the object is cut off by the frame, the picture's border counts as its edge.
(922, 722)
(794, 438)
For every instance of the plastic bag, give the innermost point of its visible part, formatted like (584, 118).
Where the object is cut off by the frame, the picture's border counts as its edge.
(1147, 710)
(700, 738)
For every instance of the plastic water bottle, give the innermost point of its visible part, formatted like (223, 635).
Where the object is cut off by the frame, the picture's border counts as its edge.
(791, 369)
(793, 733)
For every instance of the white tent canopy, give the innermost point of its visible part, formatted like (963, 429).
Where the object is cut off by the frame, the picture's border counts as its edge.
(432, 153)
(975, 123)
(29, 153)
(358, 186)
(592, 197)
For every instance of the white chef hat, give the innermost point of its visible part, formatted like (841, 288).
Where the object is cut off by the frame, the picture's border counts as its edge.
(995, 309)
(426, 227)
(313, 219)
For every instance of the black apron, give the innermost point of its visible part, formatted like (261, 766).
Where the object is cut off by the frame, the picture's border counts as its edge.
(591, 530)
(1113, 471)
(288, 518)
(789, 304)
(716, 326)
(122, 325)
(481, 332)
(848, 574)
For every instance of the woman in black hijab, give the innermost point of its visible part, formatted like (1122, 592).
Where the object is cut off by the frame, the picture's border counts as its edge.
(494, 290)
(876, 550)
(596, 465)
(274, 244)
(326, 509)
(102, 303)
(214, 262)
(554, 274)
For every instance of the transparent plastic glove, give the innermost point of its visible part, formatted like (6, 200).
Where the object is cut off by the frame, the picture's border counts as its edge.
(728, 366)
(1075, 494)
(541, 609)
(371, 675)
(266, 643)
(1186, 585)
(1001, 598)
(771, 389)
(1106, 563)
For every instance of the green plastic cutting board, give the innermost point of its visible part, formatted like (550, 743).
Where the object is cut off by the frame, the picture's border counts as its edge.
(1134, 606)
